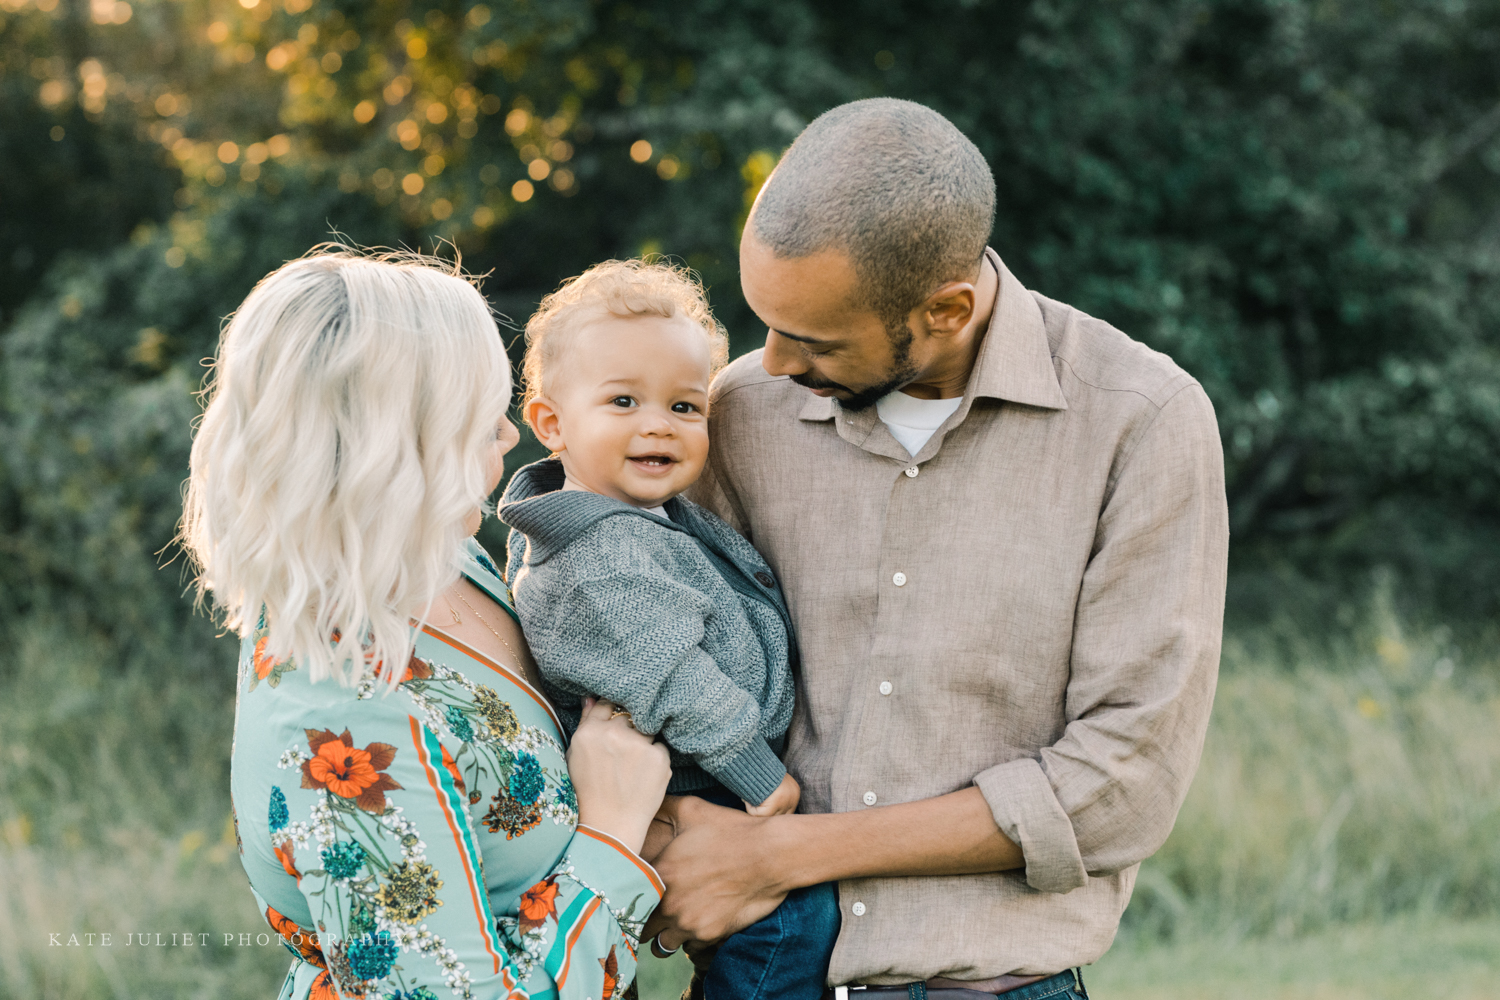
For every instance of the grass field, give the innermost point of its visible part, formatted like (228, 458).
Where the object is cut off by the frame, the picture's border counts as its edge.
(1342, 839)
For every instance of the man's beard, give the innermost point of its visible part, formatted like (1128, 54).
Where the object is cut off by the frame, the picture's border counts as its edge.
(901, 373)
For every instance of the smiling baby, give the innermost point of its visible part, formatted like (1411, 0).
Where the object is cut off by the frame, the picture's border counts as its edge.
(625, 590)
(628, 592)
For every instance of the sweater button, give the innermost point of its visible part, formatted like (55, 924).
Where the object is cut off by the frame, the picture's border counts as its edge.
(765, 579)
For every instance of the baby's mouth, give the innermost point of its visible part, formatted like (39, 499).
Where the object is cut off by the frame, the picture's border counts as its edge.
(653, 462)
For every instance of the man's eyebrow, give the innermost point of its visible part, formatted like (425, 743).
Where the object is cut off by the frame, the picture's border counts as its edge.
(800, 339)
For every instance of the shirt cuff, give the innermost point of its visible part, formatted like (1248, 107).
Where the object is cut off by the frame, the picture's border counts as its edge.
(609, 867)
(752, 774)
(1027, 811)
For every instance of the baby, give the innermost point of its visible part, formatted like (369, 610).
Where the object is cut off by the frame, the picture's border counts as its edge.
(628, 592)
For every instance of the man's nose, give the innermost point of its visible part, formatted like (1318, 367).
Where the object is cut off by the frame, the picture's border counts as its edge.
(782, 357)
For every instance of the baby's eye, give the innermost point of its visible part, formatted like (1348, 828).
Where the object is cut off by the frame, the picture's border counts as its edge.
(684, 408)
(624, 402)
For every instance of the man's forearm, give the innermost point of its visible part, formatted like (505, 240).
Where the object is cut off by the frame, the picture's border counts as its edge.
(953, 834)
(724, 870)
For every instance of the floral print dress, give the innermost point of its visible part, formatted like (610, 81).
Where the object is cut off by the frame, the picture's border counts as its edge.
(425, 844)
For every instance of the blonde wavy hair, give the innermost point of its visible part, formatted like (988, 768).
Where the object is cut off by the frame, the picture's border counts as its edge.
(345, 440)
(648, 286)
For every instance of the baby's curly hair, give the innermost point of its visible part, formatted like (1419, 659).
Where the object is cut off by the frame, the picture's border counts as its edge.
(648, 286)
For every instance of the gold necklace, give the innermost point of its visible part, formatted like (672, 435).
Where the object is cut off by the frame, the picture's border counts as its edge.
(458, 621)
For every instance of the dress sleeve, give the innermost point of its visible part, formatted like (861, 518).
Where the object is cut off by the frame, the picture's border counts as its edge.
(389, 864)
(572, 922)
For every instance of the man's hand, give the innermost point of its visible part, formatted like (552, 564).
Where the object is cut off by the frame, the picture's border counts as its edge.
(780, 802)
(717, 881)
(725, 870)
(661, 831)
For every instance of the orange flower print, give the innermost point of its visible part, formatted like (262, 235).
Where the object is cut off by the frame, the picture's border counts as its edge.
(611, 974)
(263, 663)
(305, 941)
(323, 988)
(416, 669)
(266, 667)
(284, 855)
(452, 766)
(538, 903)
(348, 772)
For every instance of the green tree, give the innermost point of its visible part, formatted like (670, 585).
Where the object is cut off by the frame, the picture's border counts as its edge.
(1294, 198)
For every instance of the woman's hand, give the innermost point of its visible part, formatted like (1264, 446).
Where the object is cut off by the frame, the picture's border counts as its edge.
(620, 775)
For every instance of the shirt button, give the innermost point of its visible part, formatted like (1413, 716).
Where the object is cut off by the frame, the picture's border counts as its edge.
(911, 473)
(899, 579)
(869, 798)
(858, 909)
(885, 687)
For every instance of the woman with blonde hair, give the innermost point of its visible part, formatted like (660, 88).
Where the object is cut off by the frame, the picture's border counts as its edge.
(407, 815)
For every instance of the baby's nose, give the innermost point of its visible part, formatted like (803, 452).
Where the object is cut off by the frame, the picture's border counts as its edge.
(657, 425)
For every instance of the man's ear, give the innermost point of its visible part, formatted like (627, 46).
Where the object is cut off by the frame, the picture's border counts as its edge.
(546, 422)
(949, 309)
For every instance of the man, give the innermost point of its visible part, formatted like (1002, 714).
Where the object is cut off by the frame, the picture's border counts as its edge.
(1001, 528)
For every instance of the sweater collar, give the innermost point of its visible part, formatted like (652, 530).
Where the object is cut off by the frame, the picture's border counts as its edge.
(550, 517)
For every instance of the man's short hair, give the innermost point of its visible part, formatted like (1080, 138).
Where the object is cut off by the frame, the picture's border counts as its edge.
(895, 186)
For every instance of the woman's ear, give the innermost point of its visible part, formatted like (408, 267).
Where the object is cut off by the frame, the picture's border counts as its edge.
(546, 422)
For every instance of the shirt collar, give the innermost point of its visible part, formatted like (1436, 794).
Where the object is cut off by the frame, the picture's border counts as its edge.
(1015, 360)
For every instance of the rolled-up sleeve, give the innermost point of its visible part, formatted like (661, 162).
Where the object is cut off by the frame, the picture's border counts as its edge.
(1144, 663)
(1027, 811)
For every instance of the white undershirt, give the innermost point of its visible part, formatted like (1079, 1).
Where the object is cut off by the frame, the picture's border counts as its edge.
(913, 421)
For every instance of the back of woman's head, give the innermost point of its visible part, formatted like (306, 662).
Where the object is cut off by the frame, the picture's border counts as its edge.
(345, 441)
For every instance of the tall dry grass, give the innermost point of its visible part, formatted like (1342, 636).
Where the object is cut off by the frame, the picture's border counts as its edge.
(114, 819)
(1355, 787)
(59, 903)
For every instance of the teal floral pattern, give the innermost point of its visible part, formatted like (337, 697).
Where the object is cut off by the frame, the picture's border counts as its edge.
(497, 751)
(391, 818)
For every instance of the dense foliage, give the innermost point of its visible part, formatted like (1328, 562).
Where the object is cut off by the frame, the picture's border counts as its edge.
(1294, 198)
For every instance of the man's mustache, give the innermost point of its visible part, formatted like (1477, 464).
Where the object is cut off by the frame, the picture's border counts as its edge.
(807, 381)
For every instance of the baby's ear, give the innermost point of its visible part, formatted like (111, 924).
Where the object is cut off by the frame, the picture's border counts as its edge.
(546, 422)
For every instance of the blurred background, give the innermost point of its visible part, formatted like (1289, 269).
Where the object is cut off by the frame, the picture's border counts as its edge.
(1296, 199)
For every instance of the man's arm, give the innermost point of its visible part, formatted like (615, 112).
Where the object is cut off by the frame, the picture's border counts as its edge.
(729, 869)
(1143, 666)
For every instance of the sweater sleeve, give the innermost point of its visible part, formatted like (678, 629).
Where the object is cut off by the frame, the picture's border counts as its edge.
(635, 635)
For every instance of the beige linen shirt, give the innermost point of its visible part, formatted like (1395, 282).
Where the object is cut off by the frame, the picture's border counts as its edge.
(1031, 604)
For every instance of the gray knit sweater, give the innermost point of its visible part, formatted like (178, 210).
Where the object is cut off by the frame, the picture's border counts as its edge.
(679, 621)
